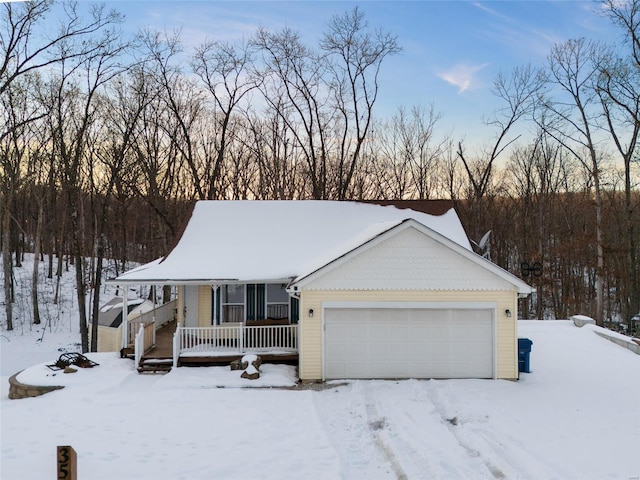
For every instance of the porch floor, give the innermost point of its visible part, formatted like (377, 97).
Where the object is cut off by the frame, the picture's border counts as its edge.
(163, 350)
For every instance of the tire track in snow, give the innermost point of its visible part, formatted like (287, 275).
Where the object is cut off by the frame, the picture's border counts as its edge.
(420, 439)
(452, 424)
(345, 422)
(503, 456)
(376, 424)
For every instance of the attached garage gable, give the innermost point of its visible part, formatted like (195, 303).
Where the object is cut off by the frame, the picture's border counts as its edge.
(412, 342)
(407, 258)
(408, 303)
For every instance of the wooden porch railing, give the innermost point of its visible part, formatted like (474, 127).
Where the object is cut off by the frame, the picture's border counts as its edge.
(158, 317)
(139, 346)
(230, 339)
(163, 314)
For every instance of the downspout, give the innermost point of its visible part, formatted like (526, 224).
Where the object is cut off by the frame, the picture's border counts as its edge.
(294, 292)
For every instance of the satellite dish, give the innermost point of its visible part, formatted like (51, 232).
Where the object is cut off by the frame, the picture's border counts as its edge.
(484, 241)
(484, 246)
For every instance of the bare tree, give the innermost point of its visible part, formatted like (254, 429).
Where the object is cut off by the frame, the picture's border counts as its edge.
(158, 176)
(518, 92)
(109, 164)
(390, 158)
(26, 48)
(278, 174)
(537, 175)
(571, 120)
(226, 70)
(618, 88)
(294, 88)
(73, 95)
(356, 55)
(183, 100)
(13, 151)
(411, 151)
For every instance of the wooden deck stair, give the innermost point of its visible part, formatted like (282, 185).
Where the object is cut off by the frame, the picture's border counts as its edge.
(159, 359)
(155, 365)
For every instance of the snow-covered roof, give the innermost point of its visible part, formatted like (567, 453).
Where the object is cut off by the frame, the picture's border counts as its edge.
(255, 240)
(111, 312)
(431, 269)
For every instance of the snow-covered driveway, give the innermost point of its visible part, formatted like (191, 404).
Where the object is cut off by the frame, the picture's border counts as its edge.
(423, 434)
(576, 416)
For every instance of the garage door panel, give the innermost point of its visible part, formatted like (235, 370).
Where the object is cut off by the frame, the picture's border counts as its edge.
(394, 350)
(346, 331)
(388, 334)
(386, 315)
(408, 343)
(466, 315)
(348, 351)
(476, 329)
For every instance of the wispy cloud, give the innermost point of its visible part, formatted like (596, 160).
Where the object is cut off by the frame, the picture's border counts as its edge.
(517, 33)
(462, 75)
(491, 11)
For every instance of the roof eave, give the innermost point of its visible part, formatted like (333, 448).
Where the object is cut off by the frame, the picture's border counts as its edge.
(195, 281)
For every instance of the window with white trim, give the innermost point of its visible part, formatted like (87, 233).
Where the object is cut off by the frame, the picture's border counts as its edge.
(232, 303)
(277, 301)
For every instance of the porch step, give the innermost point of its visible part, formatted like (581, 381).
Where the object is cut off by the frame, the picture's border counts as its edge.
(155, 365)
(127, 352)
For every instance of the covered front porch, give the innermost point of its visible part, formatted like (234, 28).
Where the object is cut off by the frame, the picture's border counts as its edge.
(212, 322)
(158, 341)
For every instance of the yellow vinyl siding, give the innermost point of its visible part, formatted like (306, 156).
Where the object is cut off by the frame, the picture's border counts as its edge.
(204, 305)
(109, 339)
(311, 348)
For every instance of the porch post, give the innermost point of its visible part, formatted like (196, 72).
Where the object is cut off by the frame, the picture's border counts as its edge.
(214, 304)
(125, 320)
(153, 318)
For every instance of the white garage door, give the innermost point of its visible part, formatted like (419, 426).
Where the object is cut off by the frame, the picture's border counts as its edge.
(408, 343)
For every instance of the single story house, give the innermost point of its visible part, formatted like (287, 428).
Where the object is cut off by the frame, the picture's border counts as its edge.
(357, 290)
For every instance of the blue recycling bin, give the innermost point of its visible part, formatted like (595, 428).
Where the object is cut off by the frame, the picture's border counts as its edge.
(524, 350)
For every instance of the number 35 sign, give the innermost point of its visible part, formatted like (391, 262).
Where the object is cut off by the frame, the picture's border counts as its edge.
(67, 463)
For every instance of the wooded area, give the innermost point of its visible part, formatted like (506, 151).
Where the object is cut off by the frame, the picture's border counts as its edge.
(107, 140)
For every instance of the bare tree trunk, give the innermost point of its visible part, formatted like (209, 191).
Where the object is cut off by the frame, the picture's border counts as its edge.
(633, 260)
(599, 249)
(96, 294)
(36, 263)
(81, 294)
(8, 266)
(56, 297)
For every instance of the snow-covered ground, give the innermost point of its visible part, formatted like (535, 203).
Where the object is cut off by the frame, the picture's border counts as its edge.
(575, 416)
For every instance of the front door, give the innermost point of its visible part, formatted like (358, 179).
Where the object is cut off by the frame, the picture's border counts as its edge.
(191, 306)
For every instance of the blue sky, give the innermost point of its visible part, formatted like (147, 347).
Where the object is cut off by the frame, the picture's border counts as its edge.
(452, 50)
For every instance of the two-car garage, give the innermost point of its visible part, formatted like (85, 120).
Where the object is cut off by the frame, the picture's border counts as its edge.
(408, 304)
(389, 341)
